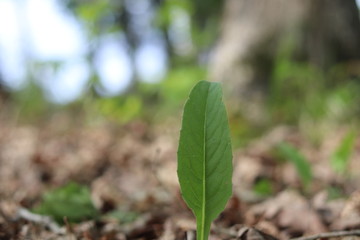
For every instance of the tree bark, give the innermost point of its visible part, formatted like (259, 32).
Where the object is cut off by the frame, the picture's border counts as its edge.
(324, 33)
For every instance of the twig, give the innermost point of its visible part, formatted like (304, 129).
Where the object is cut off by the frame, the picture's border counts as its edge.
(231, 233)
(190, 235)
(225, 231)
(245, 232)
(330, 235)
(40, 219)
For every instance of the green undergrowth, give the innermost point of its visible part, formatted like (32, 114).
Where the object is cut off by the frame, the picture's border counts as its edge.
(73, 202)
(288, 152)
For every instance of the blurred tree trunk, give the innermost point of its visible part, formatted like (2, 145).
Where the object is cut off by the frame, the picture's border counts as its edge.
(324, 33)
(4, 91)
(4, 95)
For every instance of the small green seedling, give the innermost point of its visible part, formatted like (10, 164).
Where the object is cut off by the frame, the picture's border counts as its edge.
(339, 160)
(72, 201)
(205, 155)
(301, 163)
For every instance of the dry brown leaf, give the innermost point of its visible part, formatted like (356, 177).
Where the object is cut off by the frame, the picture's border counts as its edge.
(250, 233)
(350, 215)
(288, 211)
(328, 210)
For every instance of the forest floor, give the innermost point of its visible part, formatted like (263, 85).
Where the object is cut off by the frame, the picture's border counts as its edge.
(132, 169)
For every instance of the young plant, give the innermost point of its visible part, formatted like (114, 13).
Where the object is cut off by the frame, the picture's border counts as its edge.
(340, 158)
(72, 201)
(301, 163)
(205, 155)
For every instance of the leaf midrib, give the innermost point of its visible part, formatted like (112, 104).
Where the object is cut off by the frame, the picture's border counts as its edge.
(203, 210)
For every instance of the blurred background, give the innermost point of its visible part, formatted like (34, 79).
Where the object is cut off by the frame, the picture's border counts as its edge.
(280, 62)
(92, 91)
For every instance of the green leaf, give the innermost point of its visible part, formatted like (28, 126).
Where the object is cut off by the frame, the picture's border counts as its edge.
(341, 156)
(204, 155)
(123, 216)
(263, 187)
(72, 201)
(335, 192)
(300, 162)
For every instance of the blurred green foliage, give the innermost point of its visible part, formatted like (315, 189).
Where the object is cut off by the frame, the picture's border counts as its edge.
(299, 94)
(263, 187)
(122, 216)
(120, 109)
(341, 156)
(30, 103)
(335, 192)
(151, 101)
(124, 19)
(313, 99)
(299, 90)
(302, 165)
(72, 201)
